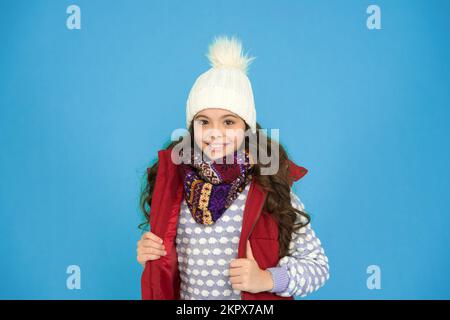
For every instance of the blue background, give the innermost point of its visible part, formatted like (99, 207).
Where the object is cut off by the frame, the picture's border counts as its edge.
(83, 112)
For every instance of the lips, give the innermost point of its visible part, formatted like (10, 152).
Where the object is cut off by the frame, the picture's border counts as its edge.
(217, 146)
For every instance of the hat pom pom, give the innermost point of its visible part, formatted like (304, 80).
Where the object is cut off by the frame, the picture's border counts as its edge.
(227, 52)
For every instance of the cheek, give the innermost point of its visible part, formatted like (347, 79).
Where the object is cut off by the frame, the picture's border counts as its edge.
(238, 135)
(237, 139)
(198, 139)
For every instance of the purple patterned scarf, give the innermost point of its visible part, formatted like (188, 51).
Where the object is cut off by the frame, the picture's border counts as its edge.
(211, 187)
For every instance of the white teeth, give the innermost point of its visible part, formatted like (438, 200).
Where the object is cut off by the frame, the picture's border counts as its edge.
(217, 146)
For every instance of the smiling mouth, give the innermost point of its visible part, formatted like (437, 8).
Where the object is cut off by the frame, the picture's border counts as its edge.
(216, 146)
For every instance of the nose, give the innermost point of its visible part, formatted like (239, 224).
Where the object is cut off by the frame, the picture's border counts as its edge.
(215, 134)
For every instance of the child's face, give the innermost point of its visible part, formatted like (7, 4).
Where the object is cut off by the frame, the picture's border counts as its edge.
(218, 132)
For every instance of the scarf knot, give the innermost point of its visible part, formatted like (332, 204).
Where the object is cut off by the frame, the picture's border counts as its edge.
(211, 186)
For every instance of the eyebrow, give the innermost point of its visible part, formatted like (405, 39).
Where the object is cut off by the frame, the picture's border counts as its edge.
(224, 116)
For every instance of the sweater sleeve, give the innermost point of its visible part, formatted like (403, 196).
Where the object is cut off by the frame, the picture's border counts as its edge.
(305, 269)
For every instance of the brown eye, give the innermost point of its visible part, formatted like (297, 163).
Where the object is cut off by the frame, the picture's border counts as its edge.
(202, 122)
(229, 122)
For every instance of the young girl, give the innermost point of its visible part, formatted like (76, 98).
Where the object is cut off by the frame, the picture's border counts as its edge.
(220, 227)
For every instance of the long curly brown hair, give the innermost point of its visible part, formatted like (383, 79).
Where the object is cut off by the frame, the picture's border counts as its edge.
(278, 200)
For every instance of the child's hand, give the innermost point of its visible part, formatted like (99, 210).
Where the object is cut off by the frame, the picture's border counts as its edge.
(150, 247)
(245, 274)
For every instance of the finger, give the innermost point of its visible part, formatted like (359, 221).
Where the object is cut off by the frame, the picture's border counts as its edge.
(149, 257)
(249, 251)
(152, 236)
(236, 263)
(236, 279)
(152, 244)
(154, 251)
(235, 271)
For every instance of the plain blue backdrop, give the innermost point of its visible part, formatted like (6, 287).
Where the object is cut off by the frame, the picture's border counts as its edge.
(84, 112)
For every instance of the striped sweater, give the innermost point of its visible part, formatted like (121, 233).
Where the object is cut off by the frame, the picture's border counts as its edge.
(204, 253)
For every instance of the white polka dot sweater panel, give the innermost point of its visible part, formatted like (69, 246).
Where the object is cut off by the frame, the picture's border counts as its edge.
(306, 264)
(205, 252)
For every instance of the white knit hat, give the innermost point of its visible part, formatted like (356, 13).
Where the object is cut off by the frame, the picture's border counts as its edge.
(225, 85)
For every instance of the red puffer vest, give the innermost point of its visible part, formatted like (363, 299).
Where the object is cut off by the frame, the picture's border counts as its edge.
(160, 279)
